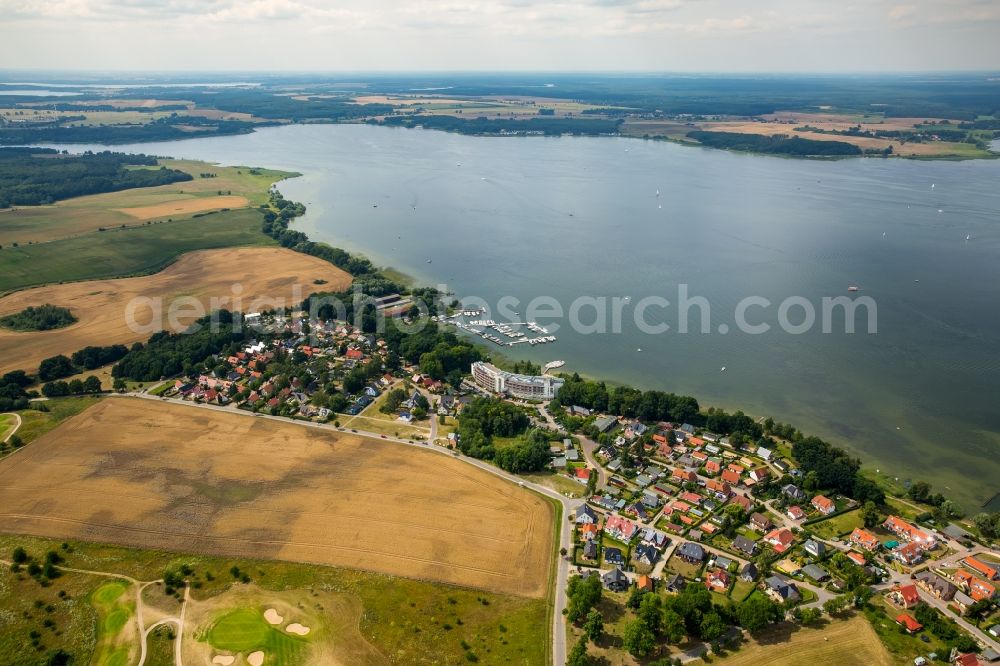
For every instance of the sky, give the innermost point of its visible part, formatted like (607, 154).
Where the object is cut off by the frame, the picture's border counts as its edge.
(501, 35)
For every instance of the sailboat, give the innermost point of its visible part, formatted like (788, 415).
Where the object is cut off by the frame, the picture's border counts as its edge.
(968, 237)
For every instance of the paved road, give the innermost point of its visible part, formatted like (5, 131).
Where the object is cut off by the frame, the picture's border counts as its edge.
(588, 446)
(568, 505)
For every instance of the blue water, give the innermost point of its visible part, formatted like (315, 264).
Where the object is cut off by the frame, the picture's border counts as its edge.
(569, 217)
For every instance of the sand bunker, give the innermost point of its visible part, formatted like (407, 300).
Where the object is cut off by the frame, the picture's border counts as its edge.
(297, 629)
(255, 658)
(223, 659)
(272, 616)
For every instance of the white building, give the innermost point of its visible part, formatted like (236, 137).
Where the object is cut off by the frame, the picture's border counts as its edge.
(527, 387)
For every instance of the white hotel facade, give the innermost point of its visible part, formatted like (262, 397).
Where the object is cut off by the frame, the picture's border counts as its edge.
(526, 387)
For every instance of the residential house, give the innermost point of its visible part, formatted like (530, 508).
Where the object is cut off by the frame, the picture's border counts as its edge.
(749, 572)
(905, 530)
(684, 476)
(824, 505)
(645, 583)
(816, 572)
(759, 474)
(646, 554)
(691, 552)
(717, 579)
(962, 601)
(731, 477)
(655, 538)
(582, 475)
(613, 555)
(864, 539)
(576, 410)
(723, 562)
(674, 583)
(968, 659)
(721, 489)
(605, 423)
(904, 595)
(781, 589)
(590, 550)
(743, 501)
(909, 553)
(764, 453)
(908, 622)
(590, 531)
(651, 501)
(620, 528)
(990, 573)
(815, 548)
(856, 557)
(615, 580)
(639, 511)
(760, 522)
(936, 585)
(585, 515)
(746, 546)
(793, 492)
(712, 467)
(780, 539)
(795, 513)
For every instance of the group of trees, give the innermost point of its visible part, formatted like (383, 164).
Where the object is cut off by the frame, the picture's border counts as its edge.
(835, 469)
(547, 125)
(27, 179)
(629, 402)
(88, 358)
(38, 318)
(485, 418)
(167, 354)
(91, 384)
(778, 144)
(12, 390)
(167, 128)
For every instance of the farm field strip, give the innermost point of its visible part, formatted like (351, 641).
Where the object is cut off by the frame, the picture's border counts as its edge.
(100, 305)
(227, 484)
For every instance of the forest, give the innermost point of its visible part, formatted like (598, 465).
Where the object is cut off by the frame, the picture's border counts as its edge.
(37, 176)
(546, 126)
(774, 145)
(163, 129)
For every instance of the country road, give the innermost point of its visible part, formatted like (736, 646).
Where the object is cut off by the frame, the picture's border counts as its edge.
(17, 424)
(569, 506)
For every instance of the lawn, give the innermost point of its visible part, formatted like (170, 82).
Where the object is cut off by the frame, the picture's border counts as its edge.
(689, 571)
(557, 482)
(6, 425)
(846, 642)
(904, 647)
(123, 252)
(246, 630)
(838, 525)
(741, 590)
(115, 607)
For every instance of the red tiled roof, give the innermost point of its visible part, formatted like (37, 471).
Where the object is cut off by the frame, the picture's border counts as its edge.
(730, 476)
(909, 594)
(981, 567)
(909, 622)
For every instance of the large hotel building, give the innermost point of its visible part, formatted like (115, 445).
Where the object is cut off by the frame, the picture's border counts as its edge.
(527, 387)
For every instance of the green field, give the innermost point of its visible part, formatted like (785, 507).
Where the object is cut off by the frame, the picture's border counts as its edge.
(35, 423)
(245, 630)
(6, 425)
(123, 252)
(413, 621)
(114, 611)
(837, 526)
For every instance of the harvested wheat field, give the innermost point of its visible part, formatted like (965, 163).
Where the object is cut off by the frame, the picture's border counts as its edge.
(100, 305)
(185, 207)
(849, 642)
(153, 474)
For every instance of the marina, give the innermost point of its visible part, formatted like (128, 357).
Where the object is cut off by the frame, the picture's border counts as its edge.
(509, 332)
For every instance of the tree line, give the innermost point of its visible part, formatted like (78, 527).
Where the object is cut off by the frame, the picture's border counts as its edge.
(43, 176)
(778, 144)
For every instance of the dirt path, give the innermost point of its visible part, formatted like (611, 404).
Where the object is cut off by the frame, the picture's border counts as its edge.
(17, 424)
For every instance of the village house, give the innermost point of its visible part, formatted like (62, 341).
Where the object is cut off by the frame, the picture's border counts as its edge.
(674, 583)
(744, 545)
(814, 548)
(856, 557)
(937, 586)
(717, 579)
(904, 596)
(615, 580)
(645, 583)
(620, 528)
(684, 476)
(824, 505)
(980, 567)
(795, 513)
(721, 489)
(743, 501)
(749, 572)
(731, 477)
(909, 553)
(760, 522)
(793, 492)
(585, 514)
(908, 623)
(864, 539)
(781, 589)
(908, 532)
(646, 554)
(590, 550)
(589, 532)
(759, 474)
(691, 552)
(614, 555)
(780, 539)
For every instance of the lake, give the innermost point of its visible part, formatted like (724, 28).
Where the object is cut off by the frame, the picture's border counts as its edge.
(570, 217)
